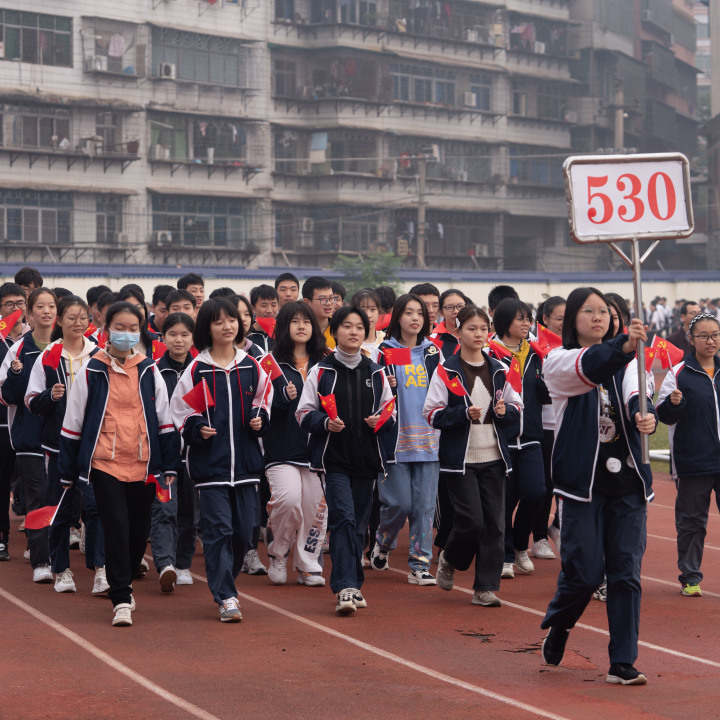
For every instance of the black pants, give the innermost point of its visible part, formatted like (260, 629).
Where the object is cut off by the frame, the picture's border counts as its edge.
(7, 465)
(443, 510)
(31, 469)
(541, 524)
(124, 509)
(478, 501)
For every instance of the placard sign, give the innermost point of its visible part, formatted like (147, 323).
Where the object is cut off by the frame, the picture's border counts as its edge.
(619, 197)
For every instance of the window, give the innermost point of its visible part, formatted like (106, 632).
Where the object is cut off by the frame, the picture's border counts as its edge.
(322, 11)
(702, 63)
(285, 78)
(107, 126)
(286, 149)
(284, 9)
(36, 217)
(703, 29)
(201, 222)
(417, 84)
(108, 219)
(114, 46)
(519, 99)
(445, 87)
(463, 161)
(482, 86)
(551, 102)
(524, 168)
(36, 38)
(358, 12)
(349, 150)
(37, 127)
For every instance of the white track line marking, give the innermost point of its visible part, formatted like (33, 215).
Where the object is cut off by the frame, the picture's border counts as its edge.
(675, 585)
(600, 631)
(108, 659)
(674, 540)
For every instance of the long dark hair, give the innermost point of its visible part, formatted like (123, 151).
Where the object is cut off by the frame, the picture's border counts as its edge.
(575, 302)
(123, 306)
(617, 302)
(548, 307)
(394, 330)
(63, 305)
(209, 312)
(284, 348)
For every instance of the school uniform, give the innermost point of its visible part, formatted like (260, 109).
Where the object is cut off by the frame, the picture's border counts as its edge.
(261, 339)
(605, 487)
(225, 468)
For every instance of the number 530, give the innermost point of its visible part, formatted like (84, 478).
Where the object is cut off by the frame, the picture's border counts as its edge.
(634, 209)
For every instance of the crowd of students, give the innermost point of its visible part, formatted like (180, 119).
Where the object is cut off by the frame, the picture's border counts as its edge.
(313, 423)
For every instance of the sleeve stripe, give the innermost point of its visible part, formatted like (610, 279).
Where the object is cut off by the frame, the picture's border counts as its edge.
(579, 371)
(71, 432)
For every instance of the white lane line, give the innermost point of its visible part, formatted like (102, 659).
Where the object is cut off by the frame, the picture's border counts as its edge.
(81, 642)
(674, 540)
(600, 631)
(675, 585)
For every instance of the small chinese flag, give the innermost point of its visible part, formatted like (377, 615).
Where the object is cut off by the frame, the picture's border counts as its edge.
(514, 376)
(9, 322)
(91, 329)
(199, 398)
(650, 354)
(547, 339)
(102, 338)
(328, 402)
(40, 518)
(668, 353)
(268, 325)
(383, 321)
(158, 349)
(440, 328)
(193, 352)
(161, 493)
(498, 350)
(270, 366)
(385, 413)
(452, 384)
(397, 356)
(437, 342)
(52, 357)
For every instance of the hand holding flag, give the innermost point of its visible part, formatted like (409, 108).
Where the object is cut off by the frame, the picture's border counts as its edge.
(513, 377)
(51, 359)
(329, 404)
(200, 399)
(385, 414)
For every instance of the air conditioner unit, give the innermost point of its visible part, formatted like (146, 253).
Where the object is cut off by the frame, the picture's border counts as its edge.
(97, 63)
(469, 99)
(306, 240)
(471, 35)
(159, 152)
(167, 71)
(481, 250)
(123, 239)
(161, 238)
(307, 224)
(539, 47)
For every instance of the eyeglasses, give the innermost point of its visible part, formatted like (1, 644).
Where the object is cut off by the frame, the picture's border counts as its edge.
(706, 338)
(336, 299)
(557, 318)
(324, 300)
(450, 308)
(588, 310)
(10, 305)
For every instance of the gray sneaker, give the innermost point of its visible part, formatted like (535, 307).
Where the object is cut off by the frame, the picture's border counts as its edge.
(445, 575)
(252, 565)
(486, 598)
(230, 611)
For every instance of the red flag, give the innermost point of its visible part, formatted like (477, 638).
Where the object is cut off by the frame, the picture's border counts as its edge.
(51, 358)
(199, 398)
(158, 349)
(40, 518)
(193, 352)
(397, 356)
(268, 325)
(669, 354)
(650, 354)
(161, 493)
(102, 338)
(383, 321)
(9, 322)
(440, 328)
(547, 339)
(452, 384)
(513, 376)
(498, 350)
(437, 342)
(328, 402)
(385, 413)
(91, 329)
(270, 366)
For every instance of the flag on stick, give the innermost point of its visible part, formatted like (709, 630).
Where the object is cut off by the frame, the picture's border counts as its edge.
(668, 353)
(385, 414)
(513, 376)
(270, 366)
(9, 322)
(397, 356)
(268, 325)
(328, 402)
(161, 493)
(158, 349)
(498, 350)
(452, 384)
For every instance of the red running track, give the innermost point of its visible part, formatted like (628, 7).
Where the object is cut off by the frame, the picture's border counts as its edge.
(414, 652)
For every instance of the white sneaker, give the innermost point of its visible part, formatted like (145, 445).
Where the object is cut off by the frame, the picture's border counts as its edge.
(123, 615)
(311, 579)
(143, 569)
(346, 602)
(100, 583)
(508, 572)
(252, 564)
(277, 570)
(421, 577)
(133, 605)
(64, 582)
(26, 554)
(184, 577)
(75, 538)
(523, 563)
(554, 535)
(168, 576)
(541, 549)
(230, 611)
(379, 558)
(42, 574)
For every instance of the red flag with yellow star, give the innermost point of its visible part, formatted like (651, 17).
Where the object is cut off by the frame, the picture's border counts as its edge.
(158, 349)
(397, 356)
(40, 518)
(9, 322)
(498, 350)
(668, 353)
(267, 324)
(514, 376)
(385, 413)
(91, 329)
(452, 384)
(328, 402)
(270, 366)
(650, 354)
(161, 493)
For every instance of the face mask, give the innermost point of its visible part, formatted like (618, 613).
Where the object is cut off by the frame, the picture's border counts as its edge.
(124, 341)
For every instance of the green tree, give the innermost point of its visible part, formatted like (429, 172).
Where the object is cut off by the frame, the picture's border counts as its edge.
(369, 270)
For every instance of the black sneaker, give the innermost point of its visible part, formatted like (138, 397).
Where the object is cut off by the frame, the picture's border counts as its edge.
(4, 554)
(622, 674)
(553, 647)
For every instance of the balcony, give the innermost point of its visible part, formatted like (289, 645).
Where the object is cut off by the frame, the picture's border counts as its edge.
(660, 64)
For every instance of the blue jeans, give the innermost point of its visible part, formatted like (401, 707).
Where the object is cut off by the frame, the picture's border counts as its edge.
(349, 502)
(409, 492)
(228, 516)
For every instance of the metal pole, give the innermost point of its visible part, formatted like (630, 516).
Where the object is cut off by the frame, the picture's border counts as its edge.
(422, 177)
(642, 391)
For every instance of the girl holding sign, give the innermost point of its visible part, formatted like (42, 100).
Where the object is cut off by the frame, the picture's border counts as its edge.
(221, 408)
(409, 489)
(341, 406)
(598, 472)
(470, 403)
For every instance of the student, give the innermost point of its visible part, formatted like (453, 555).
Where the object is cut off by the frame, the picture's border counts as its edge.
(172, 526)
(297, 508)
(369, 301)
(387, 298)
(681, 337)
(29, 279)
(599, 474)
(264, 301)
(430, 295)
(118, 392)
(159, 308)
(103, 303)
(195, 285)
(498, 294)
(525, 490)
(26, 427)
(409, 489)
(224, 458)
(182, 301)
(688, 403)
(475, 456)
(246, 316)
(92, 296)
(338, 294)
(46, 395)
(345, 451)
(135, 296)
(317, 293)
(451, 302)
(288, 288)
(222, 292)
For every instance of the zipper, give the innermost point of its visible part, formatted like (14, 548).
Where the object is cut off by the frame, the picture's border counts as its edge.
(232, 432)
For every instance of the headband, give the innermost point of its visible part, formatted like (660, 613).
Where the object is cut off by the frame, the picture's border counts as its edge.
(703, 316)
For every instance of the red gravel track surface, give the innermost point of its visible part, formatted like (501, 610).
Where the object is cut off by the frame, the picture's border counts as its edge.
(415, 652)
